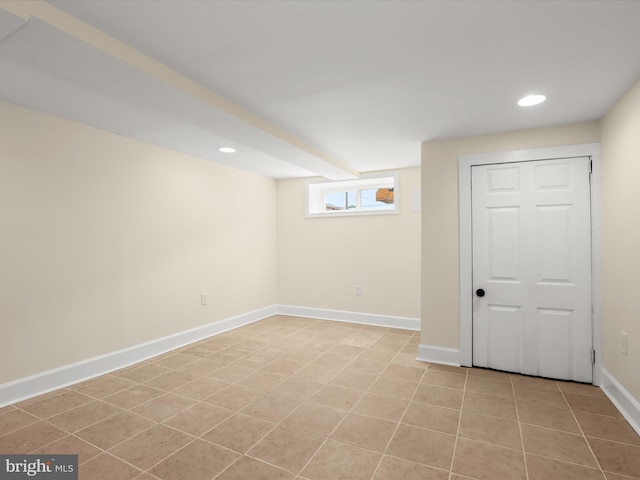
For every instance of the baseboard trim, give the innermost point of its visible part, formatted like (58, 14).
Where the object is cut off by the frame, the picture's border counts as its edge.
(405, 323)
(622, 399)
(54, 379)
(64, 376)
(445, 356)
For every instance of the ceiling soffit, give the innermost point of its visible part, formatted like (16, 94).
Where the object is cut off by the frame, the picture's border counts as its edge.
(54, 63)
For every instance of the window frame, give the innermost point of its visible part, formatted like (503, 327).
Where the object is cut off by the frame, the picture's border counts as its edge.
(315, 190)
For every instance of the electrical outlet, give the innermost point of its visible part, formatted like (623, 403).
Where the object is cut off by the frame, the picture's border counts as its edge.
(203, 298)
(358, 290)
(624, 343)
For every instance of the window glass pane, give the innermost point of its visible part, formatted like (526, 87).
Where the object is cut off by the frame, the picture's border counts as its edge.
(367, 195)
(368, 200)
(339, 201)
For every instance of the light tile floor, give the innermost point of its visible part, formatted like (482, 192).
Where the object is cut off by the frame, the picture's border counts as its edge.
(294, 398)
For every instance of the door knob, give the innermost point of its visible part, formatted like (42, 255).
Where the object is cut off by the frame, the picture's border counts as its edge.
(480, 292)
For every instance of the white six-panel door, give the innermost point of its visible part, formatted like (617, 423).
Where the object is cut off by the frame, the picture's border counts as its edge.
(532, 257)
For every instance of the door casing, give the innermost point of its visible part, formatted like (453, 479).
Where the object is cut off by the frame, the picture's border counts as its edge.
(465, 163)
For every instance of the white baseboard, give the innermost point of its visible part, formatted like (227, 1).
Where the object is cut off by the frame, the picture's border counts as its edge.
(405, 323)
(446, 356)
(56, 378)
(622, 399)
(44, 382)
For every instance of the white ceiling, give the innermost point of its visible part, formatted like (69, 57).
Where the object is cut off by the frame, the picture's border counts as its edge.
(325, 87)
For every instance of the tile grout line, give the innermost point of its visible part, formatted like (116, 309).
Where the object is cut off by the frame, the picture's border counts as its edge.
(240, 455)
(581, 434)
(584, 437)
(363, 393)
(524, 453)
(399, 422)
(156, 423)
(455, 445)
(276, 425)
(326, 439)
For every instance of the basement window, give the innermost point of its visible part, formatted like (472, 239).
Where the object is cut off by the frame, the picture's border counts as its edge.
(367, 195)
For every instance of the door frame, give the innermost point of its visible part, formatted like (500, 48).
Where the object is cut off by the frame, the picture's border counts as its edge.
(465, 162)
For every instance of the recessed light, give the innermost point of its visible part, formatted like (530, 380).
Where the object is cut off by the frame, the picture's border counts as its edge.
(531, 100)
(227, 150)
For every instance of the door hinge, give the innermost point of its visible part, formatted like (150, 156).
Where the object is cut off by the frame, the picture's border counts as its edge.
(593, 357)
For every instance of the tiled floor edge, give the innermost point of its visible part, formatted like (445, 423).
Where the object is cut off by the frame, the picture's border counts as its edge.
(622, 399)
(405, 323)
(66, 375)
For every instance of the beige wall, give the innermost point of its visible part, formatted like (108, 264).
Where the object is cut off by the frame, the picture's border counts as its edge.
(107, 242)
(321, 260)
(621, 238)
(440, 318)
